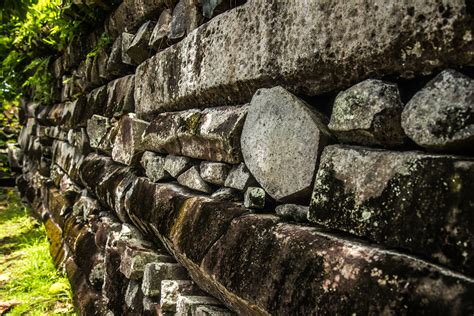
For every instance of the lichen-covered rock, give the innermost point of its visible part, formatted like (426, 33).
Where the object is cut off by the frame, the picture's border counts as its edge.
(101, 133)
(192, 179)
(188, 305)
(115, 65)
(254, 198)
(278, 120)
(212, 8)
(239, 177)
(186, 17)
(159, 36)
(172, 289)
(120, 97)
(176, 165)
(226, 60)
(154, 166)
(368, 113)
(133, 298)
(441, 115)
(227, 194)
(130, 14)
(134, 259)
(138, 50)
(297, 213)
(211, 134)
(156, 272)
(383, 195)
(127, 145)
(127, 39)
(214, 172)
(76, 113)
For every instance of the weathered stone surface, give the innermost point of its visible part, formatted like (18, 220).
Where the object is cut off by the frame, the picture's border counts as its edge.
(368, 113)
(159, 36)
(254, 198)
(212, 134)
(127, 39)
(154, 166)
(297, 213)
(15, 156)
(138, 50)
(127, 145)
(68, 158)
(176, 165)
(156, 272)
(214, 172)
(101, 133)
(186, 17)
(115, 66)
(239, 178)
(276, 120)
(130, 14)
(120, 96)
(76, 113)
(430, 192)
(79, 139)
(210, 310)
(212, 8)
(188, 305)
(240, 55)
(440, 116)
(333, 274)
(192, 179)
(172, 289)
(227, 194)
(133, 298)
(134, 260)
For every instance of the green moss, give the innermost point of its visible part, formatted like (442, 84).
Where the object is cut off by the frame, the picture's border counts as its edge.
(27, 273)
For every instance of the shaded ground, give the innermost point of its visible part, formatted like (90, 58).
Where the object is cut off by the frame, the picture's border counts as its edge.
(29, 282)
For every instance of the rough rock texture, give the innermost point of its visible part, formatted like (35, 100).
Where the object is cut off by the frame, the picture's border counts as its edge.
(297, 213)
(171, 290)
(159, 36)
(138, 50)
(211, 134)
(127, 145)
(101, 134)
(154, 166)
(239, 178)
(441, 115)
(229, 58)
(430, 192)
(188, 305)
(120, 96)
(214, 172)
(176, 165)
(186, 17)
(277, 119)
(115, 65)
(212, 8)
(254, 198)
(192, 179)
(130, 14)
(155, 273)
(368, 113)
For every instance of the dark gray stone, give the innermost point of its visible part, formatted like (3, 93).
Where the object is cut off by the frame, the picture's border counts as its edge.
(172, 289)
(127, 145)
(254, 198)
(159, 36)
(154, 166)
(227, 194)
(156, 272)
(192, 179)
(383, 195)
(239, 178)
(249, 48)
(115, 65)
(101, 133)
(186, 17)
(297, 213)
(176, 165)
(212, 134)
(127, 39)
(368, 113)
(120, 96)
(441, 115)
(135, 258)
(281, 141)
(214, 172)
(138, 50)
(212, 8)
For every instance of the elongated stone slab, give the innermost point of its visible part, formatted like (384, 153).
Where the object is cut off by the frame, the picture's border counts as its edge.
(212, 134)
(410, 200)
(226, 60)
(127, 144)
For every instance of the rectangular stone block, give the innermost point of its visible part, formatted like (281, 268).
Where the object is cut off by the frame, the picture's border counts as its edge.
(120, 97)
(412, 200)
(249, 48)
(156, 272)
(128, 142)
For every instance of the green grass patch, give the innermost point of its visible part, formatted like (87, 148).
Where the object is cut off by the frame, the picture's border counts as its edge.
(28, 279)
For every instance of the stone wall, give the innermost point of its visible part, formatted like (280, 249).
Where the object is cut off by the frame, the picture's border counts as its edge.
(262, 157)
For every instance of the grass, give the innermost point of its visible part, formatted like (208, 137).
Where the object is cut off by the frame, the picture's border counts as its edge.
(29, 282)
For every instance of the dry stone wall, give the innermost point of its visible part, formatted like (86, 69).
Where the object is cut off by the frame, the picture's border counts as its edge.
(262, 158)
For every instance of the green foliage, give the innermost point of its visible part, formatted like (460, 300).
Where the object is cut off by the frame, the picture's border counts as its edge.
(28, 278)
(103, 42)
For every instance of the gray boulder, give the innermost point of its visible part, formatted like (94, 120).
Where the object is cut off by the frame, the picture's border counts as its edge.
(281, 141)
(239, 177)
(411, 200)
(176, 165)
(154, 166)
(214, 172)
(159, 36)
(192, 179)
(441, 115)
(368, 113)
